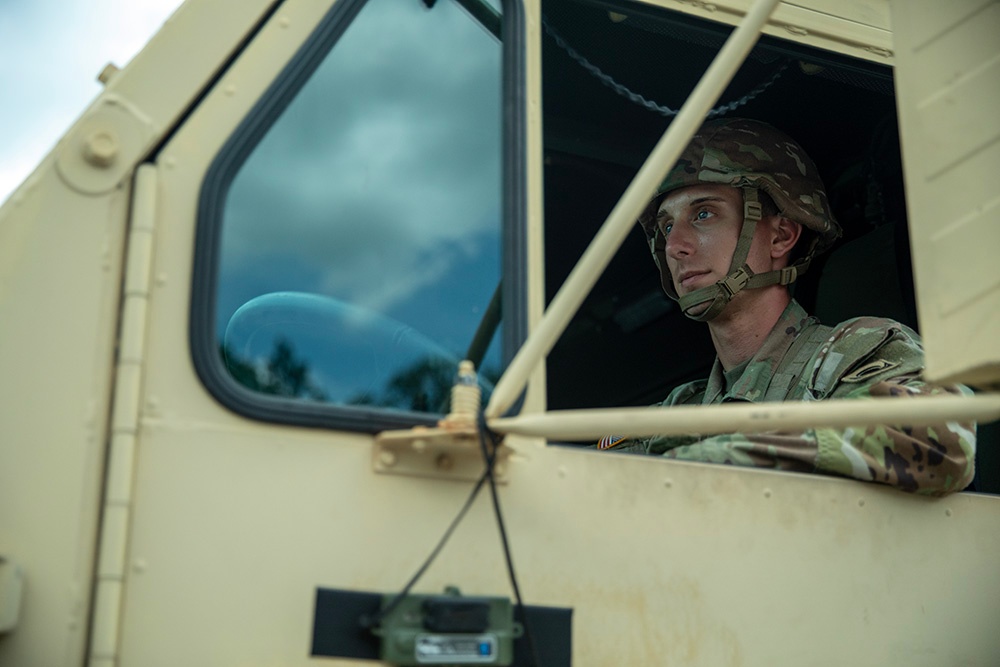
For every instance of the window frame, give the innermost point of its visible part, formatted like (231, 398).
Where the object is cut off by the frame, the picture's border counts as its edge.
(203, 344)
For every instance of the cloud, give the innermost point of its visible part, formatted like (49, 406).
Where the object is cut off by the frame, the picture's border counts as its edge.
(385, 171)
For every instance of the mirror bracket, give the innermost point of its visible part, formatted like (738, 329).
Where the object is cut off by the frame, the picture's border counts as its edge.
(449, 451)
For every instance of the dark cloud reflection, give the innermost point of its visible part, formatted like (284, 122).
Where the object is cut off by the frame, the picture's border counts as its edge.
(380, 183)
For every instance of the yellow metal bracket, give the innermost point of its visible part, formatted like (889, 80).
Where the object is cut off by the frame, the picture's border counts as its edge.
(452, 450)
(444, 452)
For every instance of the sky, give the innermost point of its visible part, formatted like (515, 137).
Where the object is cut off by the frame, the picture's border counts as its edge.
(51, 52)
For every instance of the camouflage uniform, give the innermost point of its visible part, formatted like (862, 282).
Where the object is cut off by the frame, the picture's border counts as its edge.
(802, 360)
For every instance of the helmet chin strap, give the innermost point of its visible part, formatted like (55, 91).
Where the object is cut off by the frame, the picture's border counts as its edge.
(722, 292)
(741, 276)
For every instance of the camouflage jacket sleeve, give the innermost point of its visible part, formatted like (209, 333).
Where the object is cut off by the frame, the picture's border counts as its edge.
(933, 460)
(863, 359)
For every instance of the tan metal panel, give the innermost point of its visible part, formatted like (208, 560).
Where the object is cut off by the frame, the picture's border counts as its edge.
(858, 28)
(663, 563)
(60, 282)
(933, 18)
(175, 65)
(865, 12)
(953, 56)
(948, 89)
(950, 259)
(959, 77)
(60, 255)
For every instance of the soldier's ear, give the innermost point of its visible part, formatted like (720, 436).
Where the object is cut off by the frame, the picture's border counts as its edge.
(785, 235)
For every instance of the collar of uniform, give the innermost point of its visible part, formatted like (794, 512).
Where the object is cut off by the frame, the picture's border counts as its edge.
(756, 378)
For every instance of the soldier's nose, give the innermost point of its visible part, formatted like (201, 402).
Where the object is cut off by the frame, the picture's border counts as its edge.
(678, 243)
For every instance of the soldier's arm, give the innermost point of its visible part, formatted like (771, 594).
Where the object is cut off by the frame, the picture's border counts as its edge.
(934, 460)
(866, 358)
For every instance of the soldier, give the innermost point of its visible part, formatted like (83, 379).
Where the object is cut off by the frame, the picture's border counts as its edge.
(738, 219)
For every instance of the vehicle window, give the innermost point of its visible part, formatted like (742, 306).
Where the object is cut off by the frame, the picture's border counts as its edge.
(360, 241)
(614, 74)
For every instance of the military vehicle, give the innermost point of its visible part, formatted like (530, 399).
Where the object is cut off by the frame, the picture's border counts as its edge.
(235, 297)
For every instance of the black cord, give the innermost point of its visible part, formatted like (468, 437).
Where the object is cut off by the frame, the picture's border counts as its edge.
(489, 457)
(370, 622)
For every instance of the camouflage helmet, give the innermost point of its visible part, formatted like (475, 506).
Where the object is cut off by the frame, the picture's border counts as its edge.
(753, 156)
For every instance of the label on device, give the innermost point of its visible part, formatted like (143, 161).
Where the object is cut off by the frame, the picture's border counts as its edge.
(455, 649)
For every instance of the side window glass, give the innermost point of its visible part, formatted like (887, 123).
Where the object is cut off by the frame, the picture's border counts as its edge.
(359, 252)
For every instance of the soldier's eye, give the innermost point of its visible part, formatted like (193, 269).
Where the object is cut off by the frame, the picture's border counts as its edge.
(701, 215)
(662, 221)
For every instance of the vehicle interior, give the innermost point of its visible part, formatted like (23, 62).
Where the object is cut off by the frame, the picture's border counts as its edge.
(604, 66)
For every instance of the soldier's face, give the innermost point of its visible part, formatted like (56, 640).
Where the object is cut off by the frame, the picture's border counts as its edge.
(701, 225)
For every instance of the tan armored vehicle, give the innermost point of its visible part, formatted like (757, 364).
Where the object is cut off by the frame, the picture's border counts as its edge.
(235, 297)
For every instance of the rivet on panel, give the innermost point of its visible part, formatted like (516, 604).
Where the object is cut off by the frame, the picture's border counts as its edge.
(101, 149)
(947, 511)
(169, 162)
(884, 53)
(861, 502)
(284, 22)
(387, 458)
(500, 469)
(139, 565)
(419, 446)
(668, 483)
(161, 279)
(230, 90)
(767, 493)
(108, 73)
(444, 462)
(561, 471)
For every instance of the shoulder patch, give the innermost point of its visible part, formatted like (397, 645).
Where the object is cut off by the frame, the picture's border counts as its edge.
(869, 370)
(609, 441)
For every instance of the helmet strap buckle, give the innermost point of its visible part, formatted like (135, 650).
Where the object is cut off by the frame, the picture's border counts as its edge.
(735, 281)
(788, 275)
